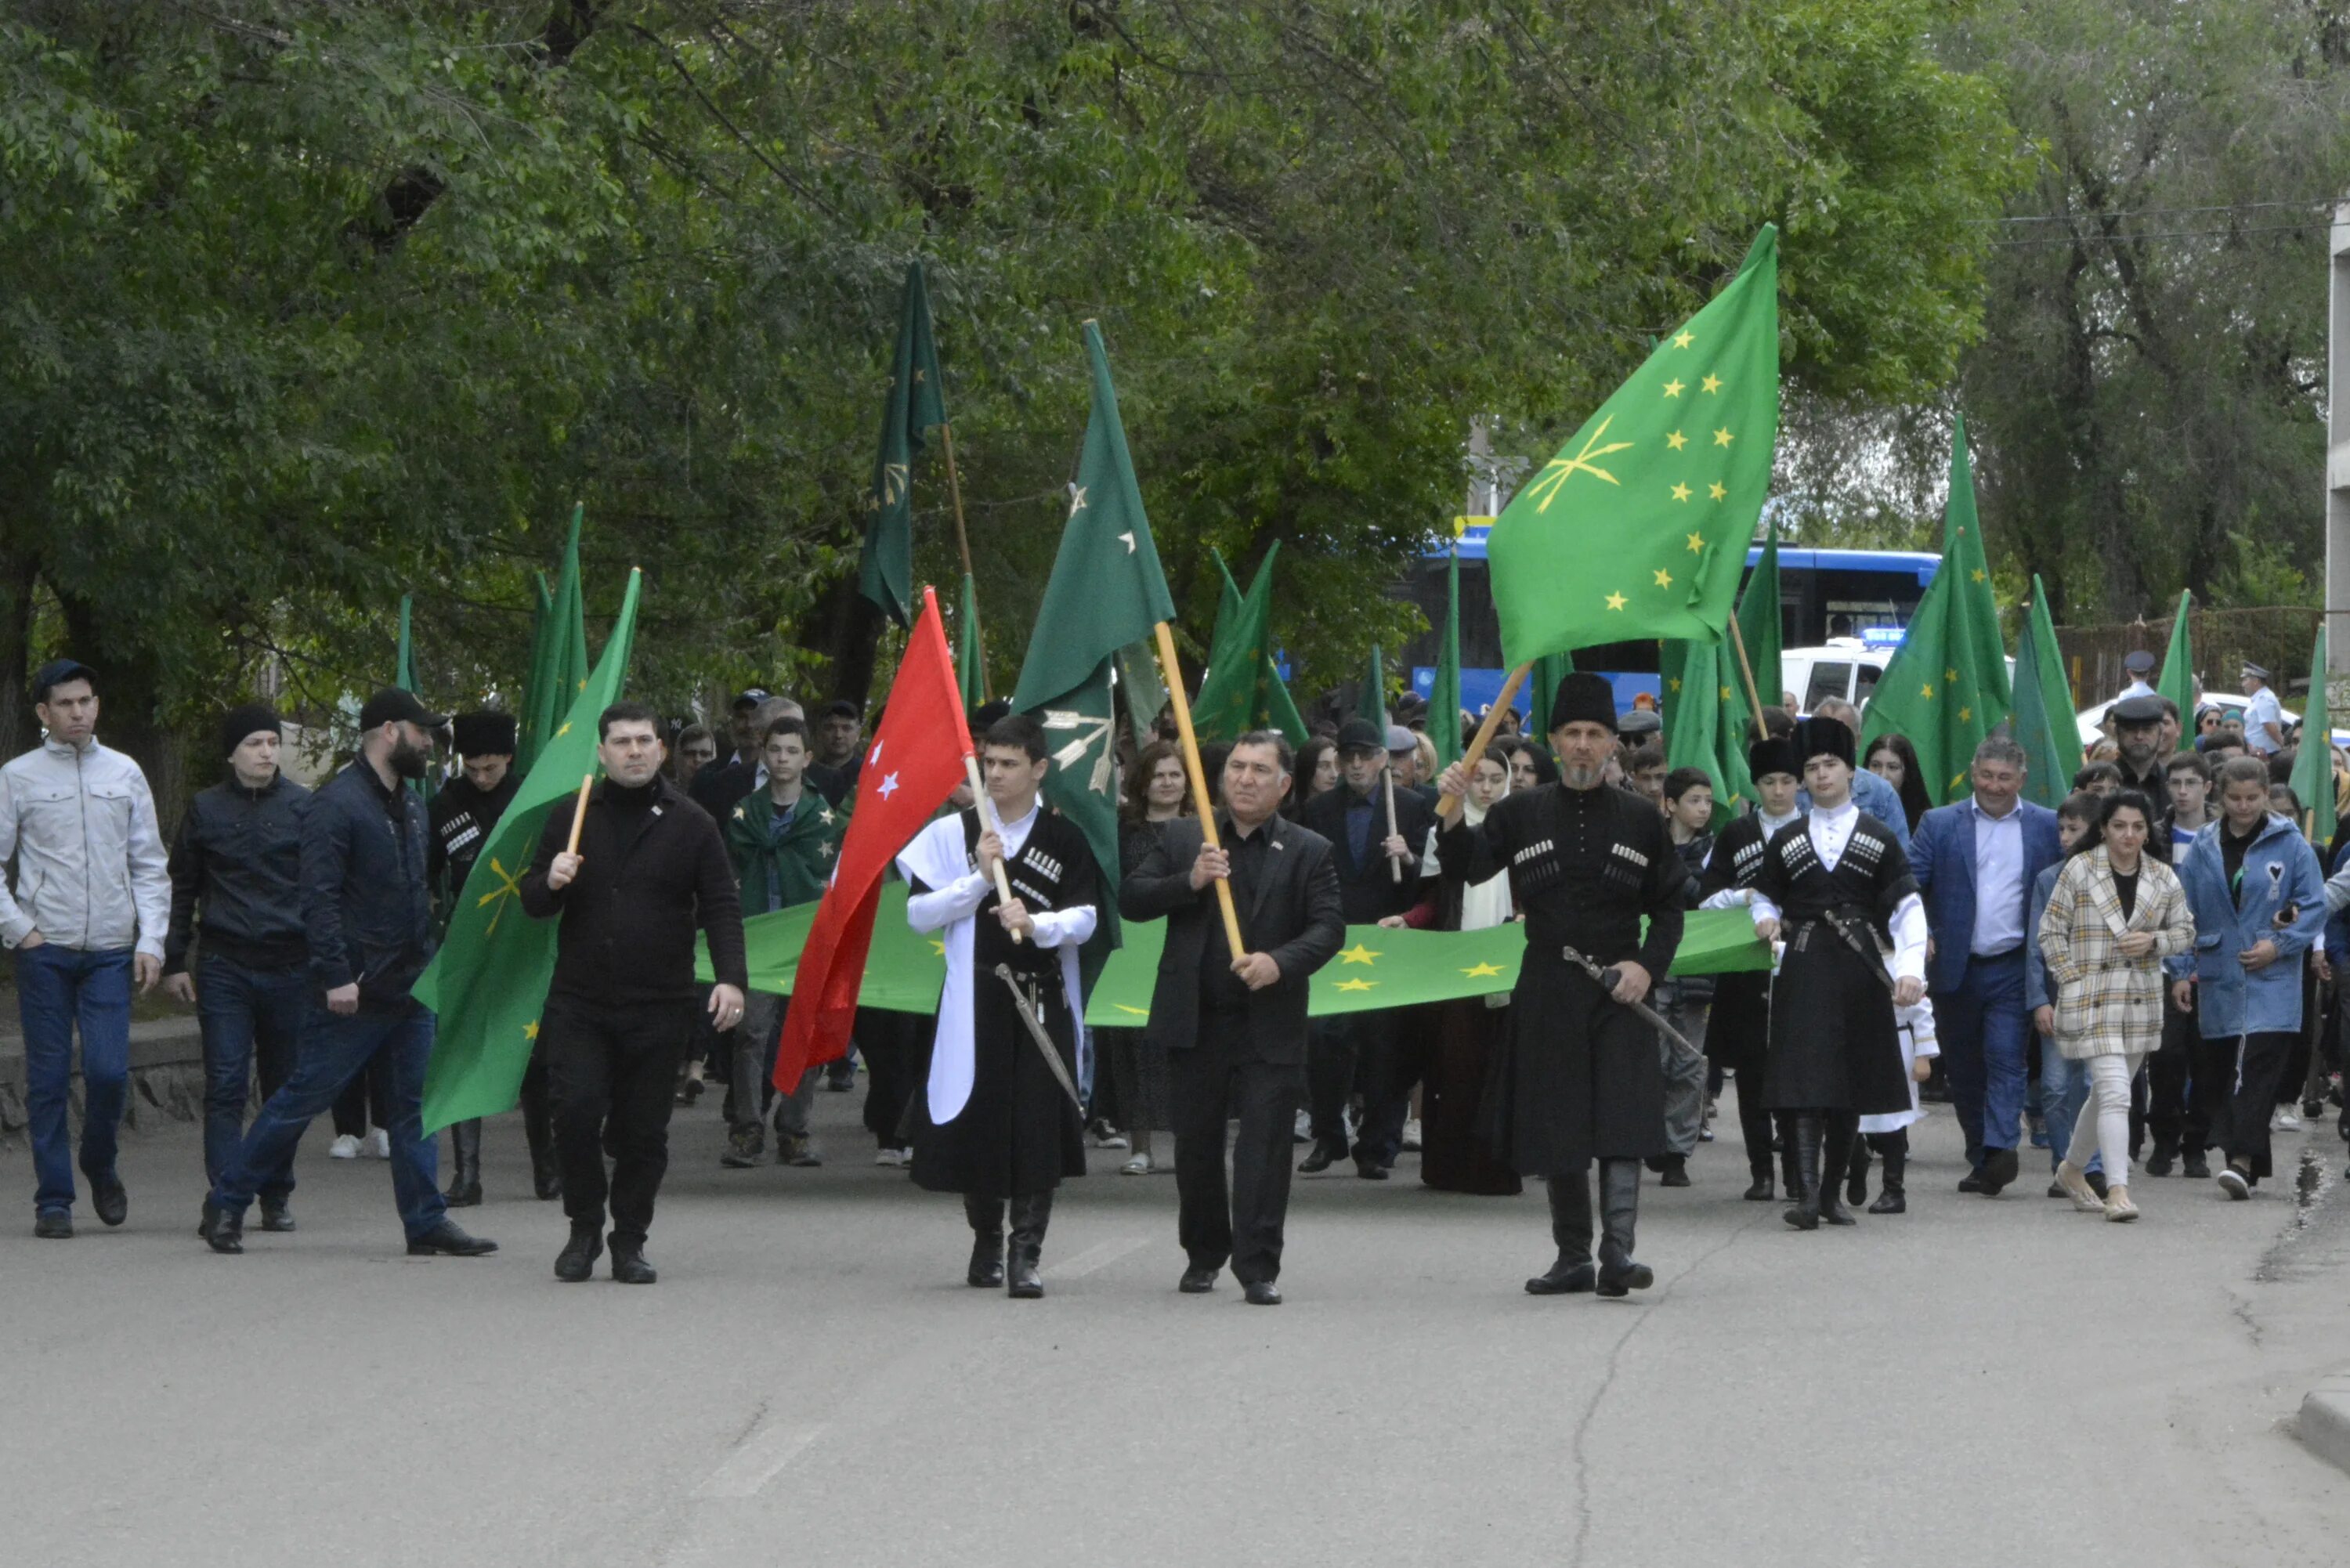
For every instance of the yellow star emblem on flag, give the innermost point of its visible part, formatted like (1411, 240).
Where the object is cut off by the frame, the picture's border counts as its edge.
(1664, 578)
(530, 1031)
(1684, 340)
(1358, 953)
(1712, 383)
(1717, 490)
(1675, 441)
(1979, 573)
(1356, 984)
(1951, 676)
(1614, 601)
(1680, 492)
(1697, 542)
(1721, 437)
(1673, 388)
(1926, 691)
(1677, 682)
(1965, 714)
(1482, 970)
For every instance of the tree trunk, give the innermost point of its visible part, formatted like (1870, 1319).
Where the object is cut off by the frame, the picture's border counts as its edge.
(17, 575)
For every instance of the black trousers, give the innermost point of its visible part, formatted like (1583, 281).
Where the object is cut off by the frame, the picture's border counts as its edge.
(897, 1051)
(2174, 1121)
(2247, 1071)
(614, 1072)
(1339, 1053)
(1220, 1077)
(365, 1102)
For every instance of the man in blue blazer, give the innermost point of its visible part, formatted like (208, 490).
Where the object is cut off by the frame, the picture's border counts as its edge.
(1975, 861)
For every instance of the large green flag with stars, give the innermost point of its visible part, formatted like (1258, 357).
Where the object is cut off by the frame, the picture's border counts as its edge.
(1946, 687)
(1706, 722)
(488, 983)
(2178, 678)
(2045, 726)
(913, 403)
(558, 663)
(2312, 762)
(1638, 527)
(1106, 590)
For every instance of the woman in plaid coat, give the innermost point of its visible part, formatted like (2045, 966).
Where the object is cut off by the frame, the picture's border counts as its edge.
(2115, 914)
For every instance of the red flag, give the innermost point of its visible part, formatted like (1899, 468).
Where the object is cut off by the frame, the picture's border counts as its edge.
(918, 756)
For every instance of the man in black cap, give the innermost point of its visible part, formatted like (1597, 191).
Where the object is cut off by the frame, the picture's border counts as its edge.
(1580, 1078)
(1838, 886)
(1378, 876)
(369, 915)
(236, 892)
(2138, 730)
(650, 870)
(2140, 664)
(463, 816)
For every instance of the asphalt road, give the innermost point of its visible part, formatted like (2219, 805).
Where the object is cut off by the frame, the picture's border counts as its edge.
(1978, 1382)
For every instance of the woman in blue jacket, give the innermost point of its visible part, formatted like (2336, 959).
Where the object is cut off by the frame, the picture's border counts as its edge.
(2259, 902)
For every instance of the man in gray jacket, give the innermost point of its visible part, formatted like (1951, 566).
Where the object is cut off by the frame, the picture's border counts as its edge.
(86, 917)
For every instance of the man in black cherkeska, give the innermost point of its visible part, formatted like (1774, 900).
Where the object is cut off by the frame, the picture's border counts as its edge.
(999, 1119)
(465, 814)
(1580, 1079)
(1836, 885)
(1738, 1030)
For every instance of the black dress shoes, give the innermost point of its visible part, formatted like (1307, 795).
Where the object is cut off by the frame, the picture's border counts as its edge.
(276, 1214)
(577, 1259)
(1999, 1168)
(1760, 1192)
(1321, 1157)
(221, 1230)
(447, 1241)
(629, 1267)
(1370, 1169)
(108, 1198)
(1197, 1280)
(1675, 1172)
(1264, 1293)
(1565, 1279)
(1972, 1181)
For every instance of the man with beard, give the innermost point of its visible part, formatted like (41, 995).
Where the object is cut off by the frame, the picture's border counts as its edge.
(370, 919)
(1580, 1078)
(2137, 731)
(465, 814)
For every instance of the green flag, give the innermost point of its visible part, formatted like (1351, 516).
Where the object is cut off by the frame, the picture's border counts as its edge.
(488, 983)
(2313, 762)
(1706, 722)
(1146, 691)
(1106, 590)
(1759, 622)
(2178, 678)
(2045, 726)
(1444, 695)
(1638, 527)
(405, 671)
(971, 660)
(1231, 701)
(556, 681)
(1946, 688)
(542, 636)
(1371, 701)
(885, 566)
(1279, 712)
(1549, 670)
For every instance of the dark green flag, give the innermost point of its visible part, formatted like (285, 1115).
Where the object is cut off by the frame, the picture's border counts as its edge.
(970, 660)
(1145, 690)
(2045, 726)
(1444, 696)
(885, 568)
(1371, 703)
(559, 672)
(2313, 766)
(1231, 701)
(1106, 591)
(1549, 670)
(2178, 678)
(542, 636)
(1759, 623)
(1706, 722)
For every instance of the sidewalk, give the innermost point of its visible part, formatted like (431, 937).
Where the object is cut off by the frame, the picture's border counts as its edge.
(166, 1069)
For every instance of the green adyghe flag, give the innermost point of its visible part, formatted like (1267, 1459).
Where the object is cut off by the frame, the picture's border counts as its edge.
(1146, 691)
(1549, 670)
(558, 666)
(404, 673)
(1759, 622)
(488, 983)
(1638, 527)
(885, 567)
(1230, 703)
(1106, 591)
(1371, 701)
(971, 660)
(1706, 722)
(1444, 695)
(542, 617)
(2045, 726)
(2313, 761)
(2178, 678)
(1946, 688)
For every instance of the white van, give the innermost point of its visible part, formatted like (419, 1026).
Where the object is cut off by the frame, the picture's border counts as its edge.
(1846, 666)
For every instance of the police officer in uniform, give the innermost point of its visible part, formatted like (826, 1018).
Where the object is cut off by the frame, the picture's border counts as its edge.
(1579, 1078)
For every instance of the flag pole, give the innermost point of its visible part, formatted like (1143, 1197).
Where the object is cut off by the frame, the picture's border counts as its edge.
(962, 543)
(1395, 866)
(1446, 806)
(993, 823)
(1746, 668)
(579, 814)
(1191, 744)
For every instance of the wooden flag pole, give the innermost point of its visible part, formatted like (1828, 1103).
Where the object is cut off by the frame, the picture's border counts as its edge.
(1174, 674)
(1395, 866)
(962, 543)
(579, 814)
(1449, 805)
(992, 823)
(1745, 667)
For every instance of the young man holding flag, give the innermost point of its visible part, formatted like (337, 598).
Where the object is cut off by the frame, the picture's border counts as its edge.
(1001, 1119)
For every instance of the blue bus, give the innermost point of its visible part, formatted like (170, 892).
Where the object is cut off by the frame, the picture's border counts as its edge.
(1822, 594)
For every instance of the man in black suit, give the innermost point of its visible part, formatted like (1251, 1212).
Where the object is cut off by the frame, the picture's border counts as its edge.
(1234, 1030)
(1378, 876)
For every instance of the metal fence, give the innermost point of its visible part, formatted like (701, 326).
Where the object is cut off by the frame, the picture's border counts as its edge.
(2278, 638)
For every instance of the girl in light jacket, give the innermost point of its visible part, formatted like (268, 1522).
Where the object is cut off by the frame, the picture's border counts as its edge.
(2114, 914)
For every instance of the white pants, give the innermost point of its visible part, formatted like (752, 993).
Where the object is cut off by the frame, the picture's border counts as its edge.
(2106, 1131)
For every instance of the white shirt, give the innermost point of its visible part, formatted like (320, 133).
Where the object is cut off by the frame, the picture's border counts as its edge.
(958, 898)
(2137, 688)
(2259, 712)
(1999, 892)
(1830, 829)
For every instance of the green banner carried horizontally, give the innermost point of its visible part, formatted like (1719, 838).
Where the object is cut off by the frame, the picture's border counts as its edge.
(1377, 968)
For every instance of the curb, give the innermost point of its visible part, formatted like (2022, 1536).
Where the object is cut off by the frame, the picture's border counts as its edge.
(2323, 1426)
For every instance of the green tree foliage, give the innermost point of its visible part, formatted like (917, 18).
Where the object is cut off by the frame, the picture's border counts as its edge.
(312, 303)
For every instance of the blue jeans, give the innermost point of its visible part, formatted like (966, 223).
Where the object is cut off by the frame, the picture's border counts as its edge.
(2063, 1090)
(335, 1049)
(251, 1017)
(1982, 1026)
(57, 987)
